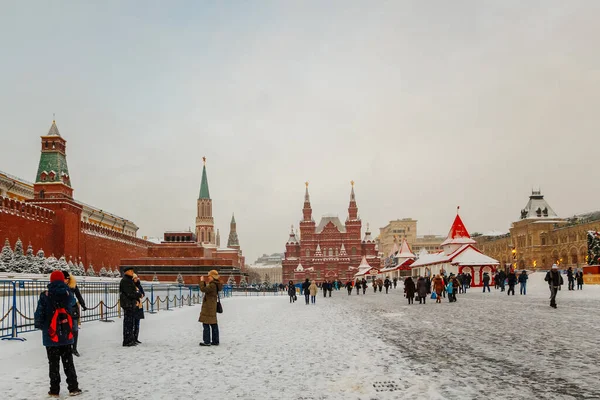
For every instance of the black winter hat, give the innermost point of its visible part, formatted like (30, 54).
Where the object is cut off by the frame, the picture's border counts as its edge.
(66, 274)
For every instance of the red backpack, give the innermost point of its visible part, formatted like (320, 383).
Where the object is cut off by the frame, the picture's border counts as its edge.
(61, 324)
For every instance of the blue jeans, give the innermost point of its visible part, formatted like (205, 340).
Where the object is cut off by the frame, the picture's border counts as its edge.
(313, 299)
(523, 289)
(486, 285)
(207, 331)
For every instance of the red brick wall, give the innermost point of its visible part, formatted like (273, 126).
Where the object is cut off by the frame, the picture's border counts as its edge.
(32, 225)
(107, 251)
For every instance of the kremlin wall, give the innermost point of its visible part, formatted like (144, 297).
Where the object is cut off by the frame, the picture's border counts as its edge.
(46, 215)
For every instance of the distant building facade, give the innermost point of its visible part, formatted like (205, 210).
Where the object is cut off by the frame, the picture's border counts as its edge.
(541, 238)
(330, 250)
(391, 235)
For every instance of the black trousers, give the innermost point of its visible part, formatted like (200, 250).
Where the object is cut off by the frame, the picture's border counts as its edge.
(55, 355)
(511, 288)
(128, 325)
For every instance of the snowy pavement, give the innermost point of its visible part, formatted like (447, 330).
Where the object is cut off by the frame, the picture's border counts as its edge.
(344, 347)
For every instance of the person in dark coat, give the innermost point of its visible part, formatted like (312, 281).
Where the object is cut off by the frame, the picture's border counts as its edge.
(428, 284)
(486, 282)
(409, 289)
(421, 290)
(349, 288)
(324, 287)
(77, 300)
(387, 283)
(523, 282)
(571, 278)
(363, 283)
(330, 287)
(59, 346)
(579, 278)
(395, 281)
(139, 310)
(501, 278)
(357, 285)
(512, 281)
(305, 291)
(128, 297)
(292, 292)
(210, 286)
(555, 281)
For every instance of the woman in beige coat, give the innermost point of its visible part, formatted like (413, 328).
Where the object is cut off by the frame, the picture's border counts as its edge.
(313, 289)
(208, 314)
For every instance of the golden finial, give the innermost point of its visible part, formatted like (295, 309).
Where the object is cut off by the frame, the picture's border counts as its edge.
(204, 160)
(306, 183)
(352, 183)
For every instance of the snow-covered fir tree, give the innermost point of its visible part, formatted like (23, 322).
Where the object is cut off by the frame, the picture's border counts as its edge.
(2, 266)
(116, 273)
(90, 271)
(32, 265)
(72, 268)
(51, 265)
(62, 265)
(593, 248)
(267, 282)
(180, 279)
(110, 273)
(231, 280)
(155, 278)
(7, 254)
(243, 283)
(103, 272)
(39, 262)
(19, 261)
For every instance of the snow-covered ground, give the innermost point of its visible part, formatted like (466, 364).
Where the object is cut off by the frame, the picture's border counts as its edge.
(344, 347)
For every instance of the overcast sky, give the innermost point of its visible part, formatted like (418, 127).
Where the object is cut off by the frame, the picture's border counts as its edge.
(425, 104)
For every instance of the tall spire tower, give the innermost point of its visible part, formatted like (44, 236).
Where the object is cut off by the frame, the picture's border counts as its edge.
(205, 223)
(53, 180)
(307, 225)
(353, 223)
(233, 242)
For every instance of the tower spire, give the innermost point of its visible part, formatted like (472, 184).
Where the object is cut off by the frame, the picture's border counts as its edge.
(53, 179)
(204, 221)
(352, 207)
(307, 210)
(233, 241)
(204, 192)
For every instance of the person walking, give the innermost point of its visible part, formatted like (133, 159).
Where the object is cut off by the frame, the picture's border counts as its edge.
(364, 285)
(77, 301)
(313, 288)
(523, 282)
(465, 282)
(387, 283)
(139, 310)
(128, 298)
(210, 286)
(53, 316)
(374, 285)
(501, 281)
(456, 285)
(421, 290)
(486, 282)
(450, 290)
(380, 284)
(438, 286)
(571, 278)
(395, 281)
(409, 290)
(330, 287)
(292, 292)
(306, 292)
(357, 285)
(555, 281)
(512, 281)
(349, 288)
(579, 278)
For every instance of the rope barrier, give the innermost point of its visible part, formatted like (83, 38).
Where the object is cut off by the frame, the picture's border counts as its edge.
(6, 315)
(23, 316)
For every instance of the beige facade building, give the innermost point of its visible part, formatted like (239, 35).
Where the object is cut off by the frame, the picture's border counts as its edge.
(431, 243)
(399, 229)
(541, 238)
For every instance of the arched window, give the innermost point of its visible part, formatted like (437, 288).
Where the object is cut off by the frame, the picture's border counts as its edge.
(202, 236)
(307, 253)
(209, 236)
(330, 252)
(354, 251)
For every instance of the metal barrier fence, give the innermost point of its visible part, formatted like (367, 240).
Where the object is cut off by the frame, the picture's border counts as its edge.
(18, 302)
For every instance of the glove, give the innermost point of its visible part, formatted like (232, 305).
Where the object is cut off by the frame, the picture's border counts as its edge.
(84, 308)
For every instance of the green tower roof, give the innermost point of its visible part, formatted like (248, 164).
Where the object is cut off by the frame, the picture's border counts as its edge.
(204, 193)
(53, 161)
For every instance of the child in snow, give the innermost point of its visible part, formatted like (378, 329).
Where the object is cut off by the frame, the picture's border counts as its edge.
(449, 289)
(54, 317)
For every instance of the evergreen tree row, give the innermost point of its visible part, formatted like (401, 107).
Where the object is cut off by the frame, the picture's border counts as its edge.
(20, 261)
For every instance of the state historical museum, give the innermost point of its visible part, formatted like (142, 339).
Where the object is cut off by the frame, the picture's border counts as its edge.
(330, 250)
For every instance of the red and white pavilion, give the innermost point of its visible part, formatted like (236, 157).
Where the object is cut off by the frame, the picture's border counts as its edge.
(458, 255)
(404, 259)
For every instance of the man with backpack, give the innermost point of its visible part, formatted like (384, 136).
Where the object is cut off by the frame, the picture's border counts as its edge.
(54, 317)
(129, 297)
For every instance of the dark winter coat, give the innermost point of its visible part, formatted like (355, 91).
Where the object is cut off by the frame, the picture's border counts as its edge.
(305, 286)
(512, 278)
(291, 290)
(409, 288)
(208, 313)
(570, 275)
(387, 283)
(363, 282)
(486, 278)
(349, 285)
(554, 278)
(139, 312)
(128, 293)
(421, 287)
(579, 276)
(523, 277)
(58, 295)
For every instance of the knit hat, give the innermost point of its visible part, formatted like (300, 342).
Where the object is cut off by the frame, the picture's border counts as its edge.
(66, 274)
(554, 266)
(214, 274)
(57, 276)
(125, 269)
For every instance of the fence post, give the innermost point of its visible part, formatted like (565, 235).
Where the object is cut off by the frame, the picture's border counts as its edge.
(14, 316)
(152, 299)
(190, 301)
(181, 297)
(106, 305)
(168, 299)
